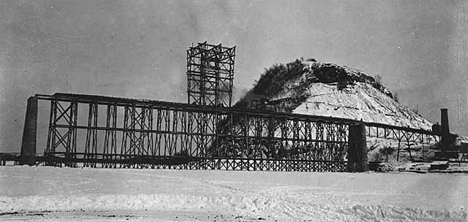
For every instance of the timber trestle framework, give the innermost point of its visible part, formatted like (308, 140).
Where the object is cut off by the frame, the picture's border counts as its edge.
(117, 132)
(99, 131)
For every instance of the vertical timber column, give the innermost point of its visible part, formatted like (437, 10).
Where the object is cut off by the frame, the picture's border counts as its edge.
(357, 151)
(352, 145)
(110, 138)
(28, 145)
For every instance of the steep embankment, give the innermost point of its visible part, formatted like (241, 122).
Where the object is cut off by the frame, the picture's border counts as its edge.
(326, 89)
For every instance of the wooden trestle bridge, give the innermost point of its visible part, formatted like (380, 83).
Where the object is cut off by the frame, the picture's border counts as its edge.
(205, 133)
(120, 132)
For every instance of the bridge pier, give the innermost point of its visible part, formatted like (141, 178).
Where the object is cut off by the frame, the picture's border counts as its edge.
(28, 145)
(357, 151)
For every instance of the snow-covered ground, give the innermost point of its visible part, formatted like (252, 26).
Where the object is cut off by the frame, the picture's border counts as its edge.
(74, 194)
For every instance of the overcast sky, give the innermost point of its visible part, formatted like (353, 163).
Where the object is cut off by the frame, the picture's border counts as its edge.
(137, 49)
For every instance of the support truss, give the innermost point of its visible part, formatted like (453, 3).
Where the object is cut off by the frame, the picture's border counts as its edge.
(210, 74)
(62, 128)
(402, 134)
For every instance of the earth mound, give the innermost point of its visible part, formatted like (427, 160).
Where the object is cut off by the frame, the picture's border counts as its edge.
(326, 89)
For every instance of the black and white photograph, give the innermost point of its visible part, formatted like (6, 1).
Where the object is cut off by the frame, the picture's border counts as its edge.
(234, 110)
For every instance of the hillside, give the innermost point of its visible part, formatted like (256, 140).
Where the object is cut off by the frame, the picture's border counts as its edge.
(324, 89)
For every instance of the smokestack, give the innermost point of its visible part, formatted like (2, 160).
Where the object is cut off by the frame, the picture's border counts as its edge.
(444, 128)
(444, 122)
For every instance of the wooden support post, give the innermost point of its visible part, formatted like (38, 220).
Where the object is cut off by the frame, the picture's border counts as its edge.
(398, 149)
(352, 157)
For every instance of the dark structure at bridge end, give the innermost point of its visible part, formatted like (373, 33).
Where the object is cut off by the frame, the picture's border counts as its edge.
(357, 150)
(447, 146)
(28, 145)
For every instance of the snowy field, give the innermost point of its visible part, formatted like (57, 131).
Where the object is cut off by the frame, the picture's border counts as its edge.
(70, 194)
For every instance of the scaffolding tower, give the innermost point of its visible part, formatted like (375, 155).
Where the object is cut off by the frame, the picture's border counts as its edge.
(210, 75)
